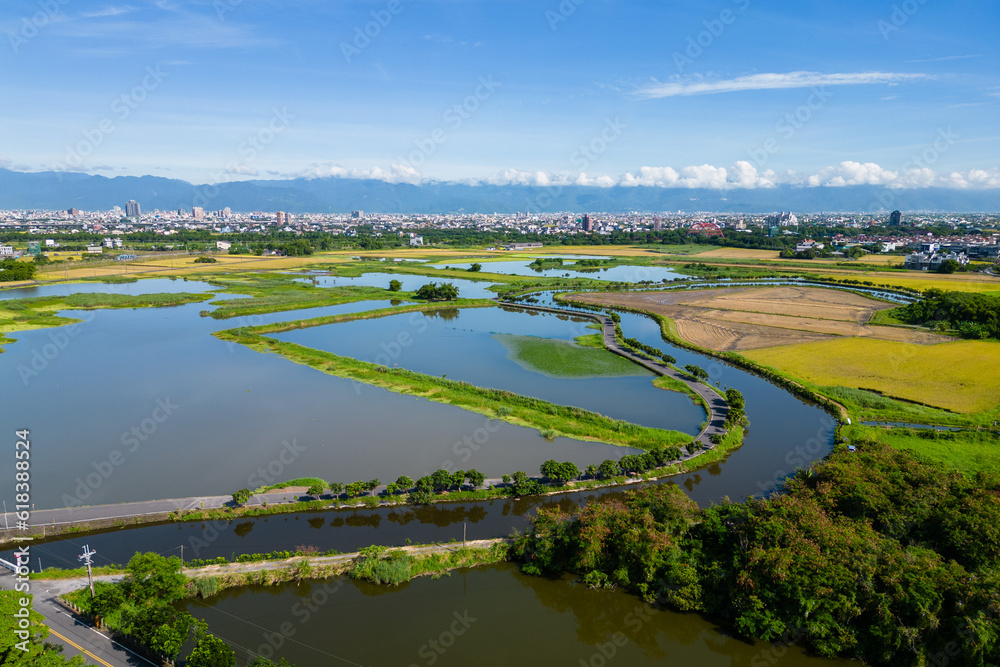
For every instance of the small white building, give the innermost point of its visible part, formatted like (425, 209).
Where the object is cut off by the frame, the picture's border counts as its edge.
(416, 240)
(94, 250)
(223, 245)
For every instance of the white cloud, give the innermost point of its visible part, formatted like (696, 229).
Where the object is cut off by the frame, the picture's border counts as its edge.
(852, 173)
(772, 81)
(396, 173)
(109, 11)
(742, 175)
(240, 170)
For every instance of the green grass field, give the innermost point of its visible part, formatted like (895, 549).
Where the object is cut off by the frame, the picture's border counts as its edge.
(954, 376)
(560, 358)
(966, 451)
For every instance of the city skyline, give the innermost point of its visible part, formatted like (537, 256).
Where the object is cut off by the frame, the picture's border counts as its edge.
(719, 95)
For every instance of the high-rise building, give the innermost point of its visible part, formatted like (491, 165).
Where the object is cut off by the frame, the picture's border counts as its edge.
(197, 212)
(73, 211)
(357, 214)
(132, 209)
(282, 218)
(895, 218)
(588, 224)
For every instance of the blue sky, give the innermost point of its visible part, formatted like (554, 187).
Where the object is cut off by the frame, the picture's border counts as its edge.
(720, 93)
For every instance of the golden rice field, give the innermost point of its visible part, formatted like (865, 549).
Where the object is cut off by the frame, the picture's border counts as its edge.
(958, 376)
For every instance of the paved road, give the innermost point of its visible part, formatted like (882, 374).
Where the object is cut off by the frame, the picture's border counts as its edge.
(718, 407)
(76, 637)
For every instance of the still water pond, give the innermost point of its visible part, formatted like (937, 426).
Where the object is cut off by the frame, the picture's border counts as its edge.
(467, 289)
(621, 273)
(486, 616)
(470, 345)
(145, 403)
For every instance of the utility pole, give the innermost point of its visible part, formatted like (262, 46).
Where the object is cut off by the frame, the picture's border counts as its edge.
(87, 553)
(5, 524)
(182, 556)
(465, 524)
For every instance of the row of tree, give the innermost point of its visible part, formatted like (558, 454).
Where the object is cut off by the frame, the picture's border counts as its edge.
(973, 315)
(142, 609)
(12, 269)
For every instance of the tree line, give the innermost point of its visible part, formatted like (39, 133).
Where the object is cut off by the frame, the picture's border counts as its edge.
(873, 555)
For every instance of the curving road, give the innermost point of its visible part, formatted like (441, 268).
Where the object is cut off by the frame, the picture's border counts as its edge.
(718, 407)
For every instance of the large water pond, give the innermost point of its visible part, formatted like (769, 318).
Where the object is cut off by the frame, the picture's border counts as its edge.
(487, 616)
(475, 345)
(145, 403)
(148, 286)
(621, 273)
(467, 289)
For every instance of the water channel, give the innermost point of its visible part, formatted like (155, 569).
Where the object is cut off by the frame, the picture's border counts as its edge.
(238, 405)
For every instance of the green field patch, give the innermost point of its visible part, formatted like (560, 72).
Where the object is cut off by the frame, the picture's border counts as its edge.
(968, 452)
(565, 359)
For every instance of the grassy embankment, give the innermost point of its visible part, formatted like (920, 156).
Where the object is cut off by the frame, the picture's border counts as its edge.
(552, 419)
(40, 312)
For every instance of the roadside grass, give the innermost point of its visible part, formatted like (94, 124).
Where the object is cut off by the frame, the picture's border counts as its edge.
(868, 406)
(947, 375)
(969, 452)
(565, 359)
(298, 481)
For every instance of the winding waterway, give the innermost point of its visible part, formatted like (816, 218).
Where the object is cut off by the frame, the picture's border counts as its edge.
(238, 405)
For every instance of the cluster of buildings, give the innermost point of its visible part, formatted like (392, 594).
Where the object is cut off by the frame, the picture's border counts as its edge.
(872, 229)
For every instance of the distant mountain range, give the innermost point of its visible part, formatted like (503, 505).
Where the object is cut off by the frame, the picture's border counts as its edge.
(59, 190)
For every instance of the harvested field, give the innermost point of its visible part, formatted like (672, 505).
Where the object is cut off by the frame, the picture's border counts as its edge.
(738, 253)
(732, 319)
